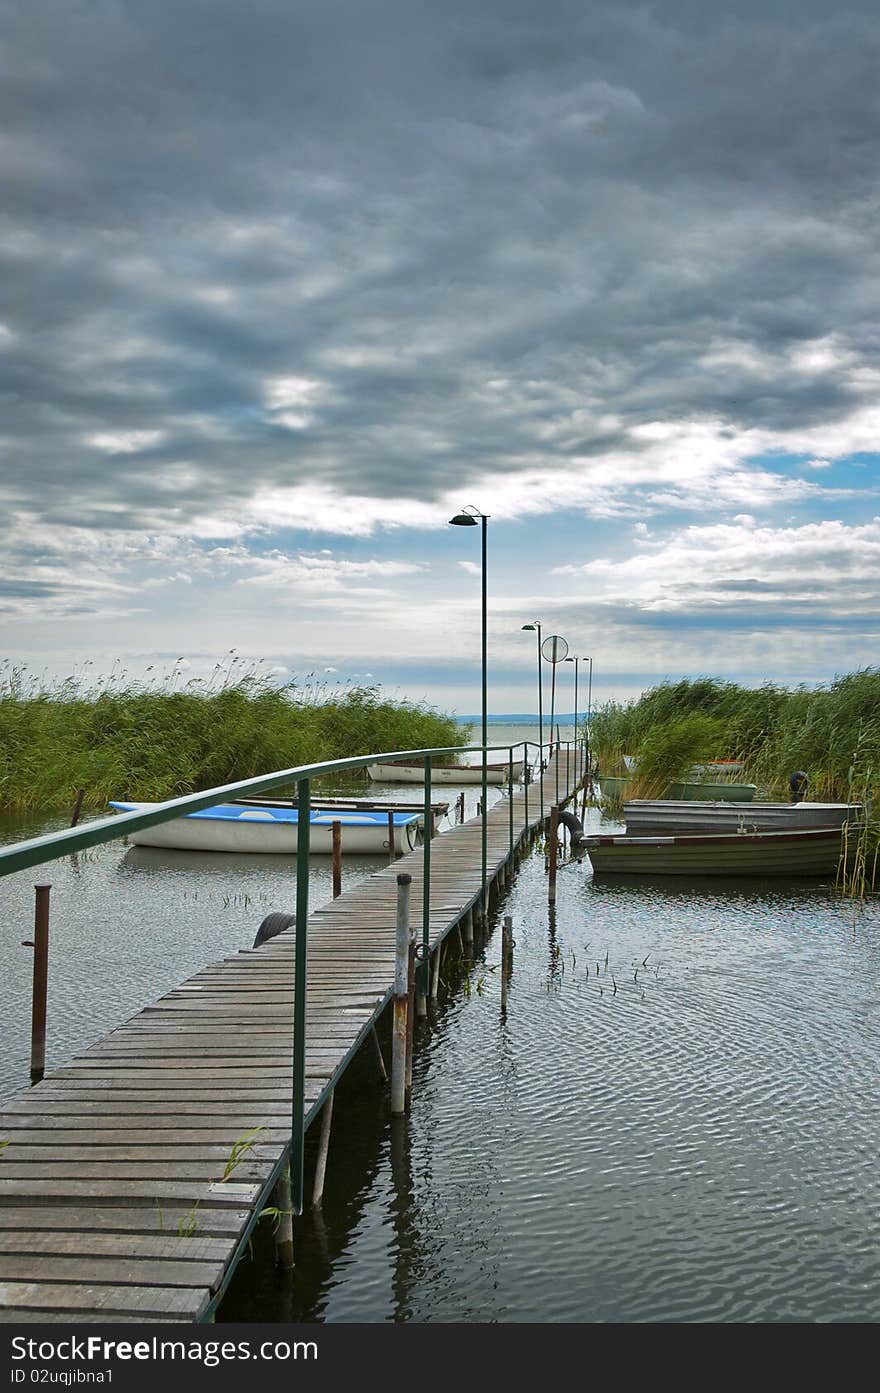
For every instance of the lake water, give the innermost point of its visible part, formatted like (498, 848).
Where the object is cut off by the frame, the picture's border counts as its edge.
(674, 1120)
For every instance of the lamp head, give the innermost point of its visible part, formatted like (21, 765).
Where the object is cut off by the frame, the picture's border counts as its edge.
(529, 626)
(463, 520)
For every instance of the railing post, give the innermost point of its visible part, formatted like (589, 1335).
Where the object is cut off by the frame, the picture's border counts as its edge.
(337, 859)
(40, 982)
(299, 995)
(401, 993)
(526, 786)
(554, 848)
(425, 964)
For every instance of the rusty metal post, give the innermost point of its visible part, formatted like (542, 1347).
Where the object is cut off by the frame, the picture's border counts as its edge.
(323, 1148)
(401, 994)
(337, 859)
(554, 850)
(41, 982)
(284, 1228)
(391, 851)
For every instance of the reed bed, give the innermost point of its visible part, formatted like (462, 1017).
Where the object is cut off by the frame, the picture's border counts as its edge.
(832, 733)
(157, 739)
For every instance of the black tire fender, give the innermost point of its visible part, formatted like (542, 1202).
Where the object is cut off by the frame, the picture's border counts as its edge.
(273, 924)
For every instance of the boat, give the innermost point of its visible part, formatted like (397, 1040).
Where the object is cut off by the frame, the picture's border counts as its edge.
(616, 789)
(445, 773)
(666, 815)
(722, 767)
(238, 827)
(813, 851)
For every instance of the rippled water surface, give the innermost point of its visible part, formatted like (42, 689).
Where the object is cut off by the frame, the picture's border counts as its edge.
(676, 1118)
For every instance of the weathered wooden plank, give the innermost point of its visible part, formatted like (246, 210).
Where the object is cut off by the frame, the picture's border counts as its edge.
(138, 1217)
(99, 1269)
(150, 1302)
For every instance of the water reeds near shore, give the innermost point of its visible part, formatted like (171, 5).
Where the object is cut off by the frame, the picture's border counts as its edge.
(831, 732)
(146, 741)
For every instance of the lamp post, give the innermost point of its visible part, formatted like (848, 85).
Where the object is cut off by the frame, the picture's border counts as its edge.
(581, 659)
(468, 518)
(536, 628)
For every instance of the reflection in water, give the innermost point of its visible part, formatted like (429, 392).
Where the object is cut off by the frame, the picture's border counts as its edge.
(681, 1129)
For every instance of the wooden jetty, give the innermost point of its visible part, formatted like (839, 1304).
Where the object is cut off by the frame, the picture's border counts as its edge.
(132, 1177)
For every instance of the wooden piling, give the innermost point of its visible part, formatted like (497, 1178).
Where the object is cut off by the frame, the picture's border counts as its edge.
(553, 851)
(410, 1011)
(380, 1058)
(40, 982)
(435, 972)
(284, 1227)
(77, 807)
(401, 994)
(323, 1149)
(466, 928)
(337, 859)
(391, 851)
(506, 958)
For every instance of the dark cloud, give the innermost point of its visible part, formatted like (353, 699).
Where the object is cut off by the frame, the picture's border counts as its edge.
(630, 211)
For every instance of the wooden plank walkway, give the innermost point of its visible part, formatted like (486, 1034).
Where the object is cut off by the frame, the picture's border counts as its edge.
(113, 1202)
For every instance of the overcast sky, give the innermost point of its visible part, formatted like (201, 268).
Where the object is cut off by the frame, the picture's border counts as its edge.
(287, 283)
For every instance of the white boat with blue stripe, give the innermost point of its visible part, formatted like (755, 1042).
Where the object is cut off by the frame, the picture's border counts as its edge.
(233, 827)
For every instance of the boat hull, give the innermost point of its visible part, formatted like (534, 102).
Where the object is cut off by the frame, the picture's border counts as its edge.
(812, 852)
(256, 830)
(443, 774)
(649, 815)
(616, 789)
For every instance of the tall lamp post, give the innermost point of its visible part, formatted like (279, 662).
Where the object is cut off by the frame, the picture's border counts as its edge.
(468, 517)
(536, 628)
(581, 659)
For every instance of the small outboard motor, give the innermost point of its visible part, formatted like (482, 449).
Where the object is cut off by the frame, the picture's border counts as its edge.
(798, 785)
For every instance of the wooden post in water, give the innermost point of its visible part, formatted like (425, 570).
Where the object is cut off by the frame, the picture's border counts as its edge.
(77, 807)
(40, 982)
(323, 1148)
(410, 1011)
(435, 972)
(337, 859)
(401, 994)
(506, 957)
(466, 928)
(284, 1228)
(380, 1058)
(554, 850)
(391, 851)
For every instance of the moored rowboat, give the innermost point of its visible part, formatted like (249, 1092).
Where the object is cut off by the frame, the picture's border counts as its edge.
(237, 827)
(813, 851)
(616, 788)
(675, 816)
(445, 773)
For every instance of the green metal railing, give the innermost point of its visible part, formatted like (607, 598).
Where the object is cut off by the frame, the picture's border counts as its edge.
(53, 845)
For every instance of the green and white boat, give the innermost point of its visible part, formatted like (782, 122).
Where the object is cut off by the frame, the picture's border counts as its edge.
(814, 851)
(616, 789)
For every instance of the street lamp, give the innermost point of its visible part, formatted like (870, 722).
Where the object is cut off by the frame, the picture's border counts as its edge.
(536, 628)
(581, 659)
(468, 518)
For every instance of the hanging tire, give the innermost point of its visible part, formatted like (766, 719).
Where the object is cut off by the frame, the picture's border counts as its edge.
(273, 924)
